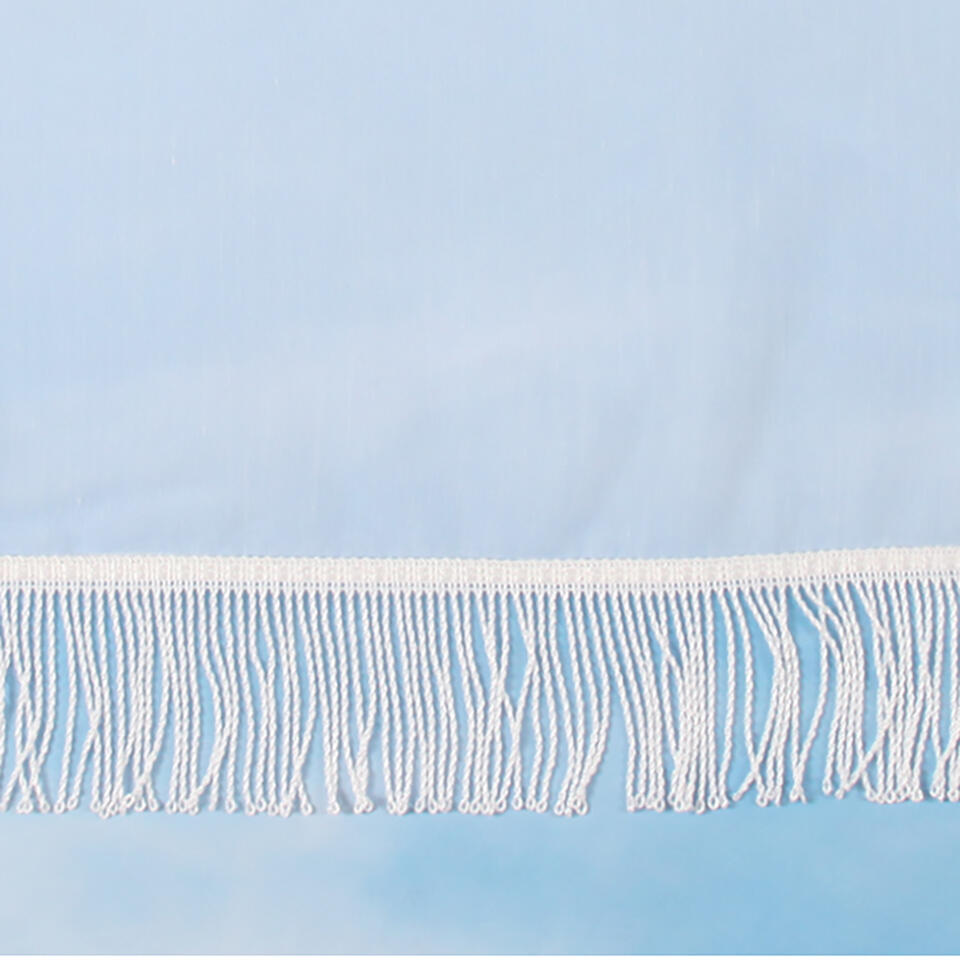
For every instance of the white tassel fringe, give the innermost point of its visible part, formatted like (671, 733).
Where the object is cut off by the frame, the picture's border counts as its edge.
(176, 683)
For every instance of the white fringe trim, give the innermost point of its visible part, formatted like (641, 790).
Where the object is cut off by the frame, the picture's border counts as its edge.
(474, 685)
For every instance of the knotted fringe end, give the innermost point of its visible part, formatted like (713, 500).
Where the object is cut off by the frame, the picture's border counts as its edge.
(150, 683)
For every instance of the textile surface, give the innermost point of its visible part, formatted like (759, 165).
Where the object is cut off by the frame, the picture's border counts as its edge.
(501, 280)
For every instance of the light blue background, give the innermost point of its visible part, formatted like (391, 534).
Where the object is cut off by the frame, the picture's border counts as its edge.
(518, 279)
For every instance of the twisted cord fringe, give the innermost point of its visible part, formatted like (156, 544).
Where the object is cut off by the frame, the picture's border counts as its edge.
(433, 685)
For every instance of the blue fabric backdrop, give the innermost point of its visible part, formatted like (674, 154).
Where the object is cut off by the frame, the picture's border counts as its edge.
(535, 279)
